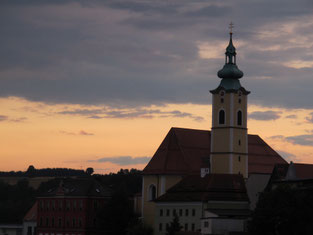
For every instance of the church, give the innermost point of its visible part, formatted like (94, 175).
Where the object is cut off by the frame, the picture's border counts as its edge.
(210, 179)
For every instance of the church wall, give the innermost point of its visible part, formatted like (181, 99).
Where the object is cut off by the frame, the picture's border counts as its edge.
(162, 183)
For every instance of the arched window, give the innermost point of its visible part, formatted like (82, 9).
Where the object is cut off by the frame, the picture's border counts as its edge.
(221, 117)
(152, 192)
(239, 118)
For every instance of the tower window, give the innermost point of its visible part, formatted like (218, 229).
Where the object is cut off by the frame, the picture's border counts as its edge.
(222, 100)
(222, 93)
(152, 192)
(239, 118)
(239, 159)
(221, 117)
(239, 101)
(239, 142)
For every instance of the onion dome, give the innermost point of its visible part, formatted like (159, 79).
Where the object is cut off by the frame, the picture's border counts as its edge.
(230, 69)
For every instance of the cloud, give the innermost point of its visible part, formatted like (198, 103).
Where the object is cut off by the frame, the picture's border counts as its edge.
(139, 53)
(305, 140)
(82, 132)
(310, 118)
(292, 116)
(287, 156)
(3, 118)
(264, 115)
(6, 118)
(130, 113)
(124, 160)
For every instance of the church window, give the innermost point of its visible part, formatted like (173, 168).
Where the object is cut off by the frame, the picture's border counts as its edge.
(221, 117)
(239, 118)
(152, 192)
(161, 212)
(239, 159)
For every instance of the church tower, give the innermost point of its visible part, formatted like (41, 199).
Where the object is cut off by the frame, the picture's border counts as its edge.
(229, 138)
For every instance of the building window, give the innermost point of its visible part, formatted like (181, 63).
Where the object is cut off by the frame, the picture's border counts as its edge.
(192, 227)
(74, 205)
(74, 222)
(167, 212)
(174, 212)
(239, 159)
(239, 118)
(186, 212)
(60, 222)
(52, 222)
(95, 205)
(206, 224)
(81, 205)
(167, 226)
(60, 205)
(239, 142)
(152, 192)
(68, 205)
(221, 117)
(193, 212)
(47, 205)
(41, 223)
(47, 222)
(161, 212)
(41, 205)
(222, 100)
(180, 212)
(29, 230)
(160, 227)
(53, 205)
(186, 227)
(67, 223)
(80, 222)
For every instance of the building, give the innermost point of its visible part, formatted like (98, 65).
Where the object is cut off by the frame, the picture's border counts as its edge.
(71, 208)
(226, 149)
(30, 221)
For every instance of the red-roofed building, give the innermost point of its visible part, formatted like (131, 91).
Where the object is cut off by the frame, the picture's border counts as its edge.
(226, 149)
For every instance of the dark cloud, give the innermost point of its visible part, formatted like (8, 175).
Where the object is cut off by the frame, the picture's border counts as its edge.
(109, 112)
(82, 132)
(124, 160)
(305, 140)
(264, 115)
(138, 53)
(292, 116)
(6, 118)
(310, 118)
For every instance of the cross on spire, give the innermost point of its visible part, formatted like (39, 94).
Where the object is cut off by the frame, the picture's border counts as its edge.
(231, 26)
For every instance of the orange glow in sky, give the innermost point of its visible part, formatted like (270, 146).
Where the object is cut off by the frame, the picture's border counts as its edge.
(54, 135)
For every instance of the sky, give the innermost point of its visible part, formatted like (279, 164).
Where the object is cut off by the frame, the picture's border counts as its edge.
(99, 83)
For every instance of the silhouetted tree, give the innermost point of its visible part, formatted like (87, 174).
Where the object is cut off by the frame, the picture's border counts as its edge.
(89, 171)
(284, 211)
(174, 226)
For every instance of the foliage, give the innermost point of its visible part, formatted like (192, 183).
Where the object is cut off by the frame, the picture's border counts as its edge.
(137, 227)
(174, 226)
(15, 201)
(283, 211)
(89, 171)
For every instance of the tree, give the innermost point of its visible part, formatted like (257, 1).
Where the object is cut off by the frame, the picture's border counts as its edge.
(285, 210)
(89, 171)
(174, 226)
(137, 227)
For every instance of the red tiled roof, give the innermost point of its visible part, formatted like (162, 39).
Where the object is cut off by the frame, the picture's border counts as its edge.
(32, 213)
(221, 187)
(185, 151)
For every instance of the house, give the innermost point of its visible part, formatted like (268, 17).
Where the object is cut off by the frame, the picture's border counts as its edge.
(71, 208)
(227, 149)
(30, 221)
